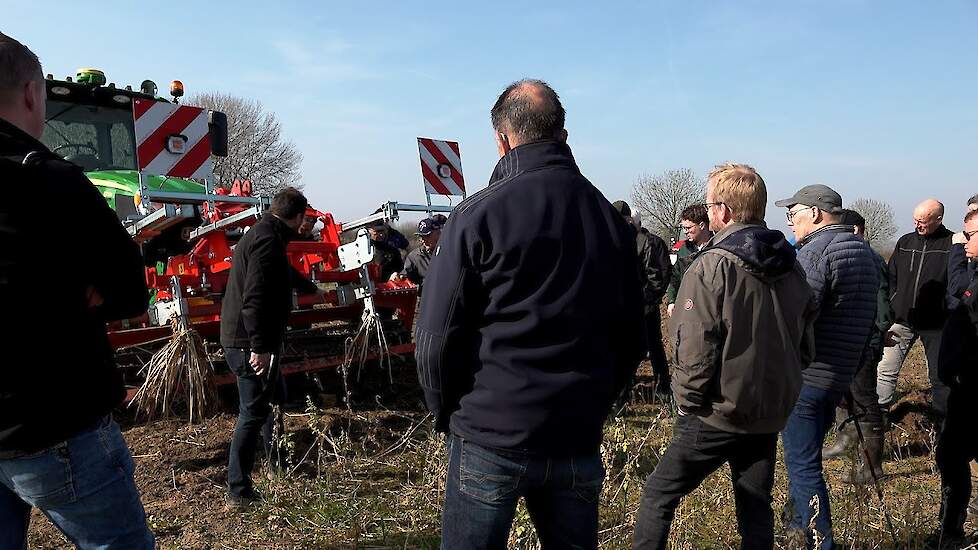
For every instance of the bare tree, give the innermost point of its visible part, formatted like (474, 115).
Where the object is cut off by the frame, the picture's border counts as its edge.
(880, 222)
(256, 149)
(662, 198)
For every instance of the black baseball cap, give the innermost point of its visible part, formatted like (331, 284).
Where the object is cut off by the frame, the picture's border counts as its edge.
(426, 227)
(818, 195)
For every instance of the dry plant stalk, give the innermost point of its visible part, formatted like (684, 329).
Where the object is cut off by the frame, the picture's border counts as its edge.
(178, 373)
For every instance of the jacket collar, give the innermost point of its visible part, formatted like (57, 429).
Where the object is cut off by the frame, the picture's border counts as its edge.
(834, 228)
(730, 230)
(16, 142)
(530, 156)
(283, 231)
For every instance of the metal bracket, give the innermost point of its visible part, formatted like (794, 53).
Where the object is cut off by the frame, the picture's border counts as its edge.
(164, 217)
(253, 212)
(356, 254)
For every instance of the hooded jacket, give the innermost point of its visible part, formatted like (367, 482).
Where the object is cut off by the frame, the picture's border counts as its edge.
(531, 322)
(843, 273)
(918, 279)
(70, 380)
(742, 331)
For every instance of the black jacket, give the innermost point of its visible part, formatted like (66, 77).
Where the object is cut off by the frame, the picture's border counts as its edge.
(918, 279)
(387, 253)
(655, 268)
(258, 298)
(531, 322)
(58, 237)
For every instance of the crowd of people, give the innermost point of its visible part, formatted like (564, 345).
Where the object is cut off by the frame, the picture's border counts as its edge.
(542, 298)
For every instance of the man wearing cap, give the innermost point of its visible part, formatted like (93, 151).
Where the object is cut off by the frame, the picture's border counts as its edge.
(844, 277)
(918, 286)
(655, 270)
(418, 260)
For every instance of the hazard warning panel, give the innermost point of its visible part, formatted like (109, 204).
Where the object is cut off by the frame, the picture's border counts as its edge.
(171, 140)
(441, 167)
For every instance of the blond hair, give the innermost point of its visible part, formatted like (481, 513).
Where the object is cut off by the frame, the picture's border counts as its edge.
(741, 189)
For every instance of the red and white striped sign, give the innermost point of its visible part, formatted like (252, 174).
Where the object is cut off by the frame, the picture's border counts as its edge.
(171, 140)
(441, 167)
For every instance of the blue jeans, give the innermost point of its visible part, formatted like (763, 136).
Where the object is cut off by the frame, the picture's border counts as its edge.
(484, 486)
(84, 485)
(255, 397)
(803, 437)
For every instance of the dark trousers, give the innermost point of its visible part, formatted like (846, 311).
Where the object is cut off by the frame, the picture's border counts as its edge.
(255, 395)
(657, 350)
(803, 437)
(484, 486)
(695, 452)
(863, 386)
(956, 448)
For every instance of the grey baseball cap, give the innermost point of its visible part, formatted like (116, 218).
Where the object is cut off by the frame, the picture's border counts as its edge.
(818, 195)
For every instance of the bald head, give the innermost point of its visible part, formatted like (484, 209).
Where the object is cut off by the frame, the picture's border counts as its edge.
(928, 216)
(528, 110)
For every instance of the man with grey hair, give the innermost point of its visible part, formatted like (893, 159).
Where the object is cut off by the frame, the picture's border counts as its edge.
(60, 450)
(918, 285)
(844, 278)
(530, 326)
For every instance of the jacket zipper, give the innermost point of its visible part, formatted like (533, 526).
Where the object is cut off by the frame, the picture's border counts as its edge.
(920, 268)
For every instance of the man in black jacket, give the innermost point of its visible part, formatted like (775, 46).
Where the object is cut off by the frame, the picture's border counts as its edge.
(956, 446)
(918, 284)
(655, 271)
(530, 326)
(254, 313)
(60, 450)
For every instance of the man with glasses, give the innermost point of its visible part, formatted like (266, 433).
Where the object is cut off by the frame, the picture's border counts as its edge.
(696, 226)
(740, 339)
(956, 445)
(918, 284)
(844, 278)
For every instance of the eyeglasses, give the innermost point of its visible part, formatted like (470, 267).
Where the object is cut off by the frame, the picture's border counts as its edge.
(969, 234)
(790, 214)
(709, 204)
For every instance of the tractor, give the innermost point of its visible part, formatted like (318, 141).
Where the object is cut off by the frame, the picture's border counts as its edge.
(187, 225)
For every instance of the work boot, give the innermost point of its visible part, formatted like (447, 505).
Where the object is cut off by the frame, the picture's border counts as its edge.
(873, 437)
(843, 439)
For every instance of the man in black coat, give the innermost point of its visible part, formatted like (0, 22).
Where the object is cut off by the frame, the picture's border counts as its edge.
(655, 272)
(918, 284)
(530, 326)
(60, 450)
(957, 446)
(254, 313)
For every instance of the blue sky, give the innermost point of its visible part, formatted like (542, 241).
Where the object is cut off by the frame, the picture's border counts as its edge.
(877, 99)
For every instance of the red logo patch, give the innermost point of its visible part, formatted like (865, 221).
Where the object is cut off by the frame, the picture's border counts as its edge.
(688, 305)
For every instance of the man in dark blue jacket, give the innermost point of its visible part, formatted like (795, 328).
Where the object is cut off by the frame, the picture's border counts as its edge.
(956, 445)
(530, 326)
(844, 276)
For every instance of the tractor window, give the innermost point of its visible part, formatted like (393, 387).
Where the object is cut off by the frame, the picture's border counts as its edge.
(94, 137)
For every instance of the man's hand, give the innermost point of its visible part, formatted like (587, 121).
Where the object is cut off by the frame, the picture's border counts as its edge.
(669, 309)
(397, 277)
(93, 297)
(959, 238)
(259, 362)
